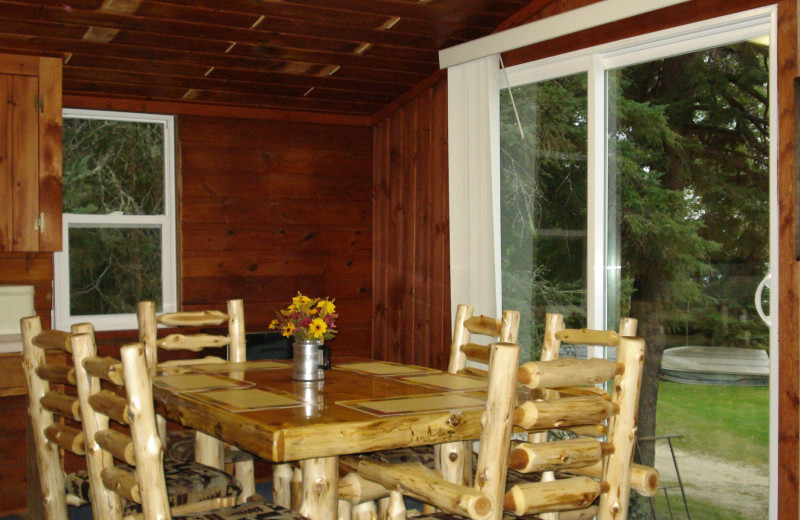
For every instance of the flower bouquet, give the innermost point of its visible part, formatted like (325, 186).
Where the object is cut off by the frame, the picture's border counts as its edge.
(307, 319)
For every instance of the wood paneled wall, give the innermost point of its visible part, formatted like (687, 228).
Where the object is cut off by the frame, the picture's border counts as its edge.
(411, 297)
(272, 207)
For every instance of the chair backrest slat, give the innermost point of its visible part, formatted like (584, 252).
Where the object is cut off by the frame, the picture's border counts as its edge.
(484, 325)
(52, 339)
(193, 318)
(607, 338)
(106, 368)
(556, 495)
(563, 412)
(644, 479)
(111, 405)
(67, 437)
(474, 352)
(57, 374)
(60, 404)
(529, 457)
(194, 342)
(123, 482)
(565, 372)
(118, 444)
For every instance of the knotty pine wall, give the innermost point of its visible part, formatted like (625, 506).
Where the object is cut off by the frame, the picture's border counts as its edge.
(268, 207)
(271, 207)
(411, 254)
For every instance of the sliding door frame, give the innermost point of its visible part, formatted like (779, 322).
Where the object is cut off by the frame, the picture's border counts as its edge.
(595, 61)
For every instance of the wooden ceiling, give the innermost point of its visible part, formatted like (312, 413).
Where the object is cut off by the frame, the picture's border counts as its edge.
(335, 56)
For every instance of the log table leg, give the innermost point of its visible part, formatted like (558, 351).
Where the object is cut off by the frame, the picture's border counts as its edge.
(454, 461)
(320, 488)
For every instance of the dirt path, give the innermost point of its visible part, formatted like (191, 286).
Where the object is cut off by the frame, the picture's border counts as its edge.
(744, 488)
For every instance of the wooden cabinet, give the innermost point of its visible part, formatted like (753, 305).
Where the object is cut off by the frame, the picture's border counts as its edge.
(30, 153)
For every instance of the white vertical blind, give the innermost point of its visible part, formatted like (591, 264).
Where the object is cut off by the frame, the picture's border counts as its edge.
(472, 91)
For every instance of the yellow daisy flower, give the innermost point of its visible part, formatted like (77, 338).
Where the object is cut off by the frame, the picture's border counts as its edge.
(326, 307)
(288, 330)
(317, 328)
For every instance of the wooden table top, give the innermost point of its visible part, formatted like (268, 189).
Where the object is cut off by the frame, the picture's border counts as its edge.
(360, 406)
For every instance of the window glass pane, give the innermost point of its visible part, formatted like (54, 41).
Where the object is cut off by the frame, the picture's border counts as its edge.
(113, 166)
(543, 205)
(689, 237)
(111, 269)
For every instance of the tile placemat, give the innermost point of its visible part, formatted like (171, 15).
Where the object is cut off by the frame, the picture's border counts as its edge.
(197, 382)
(446, 381)
(384, 368)
(249, 399)
(265, 364)
(411, 404)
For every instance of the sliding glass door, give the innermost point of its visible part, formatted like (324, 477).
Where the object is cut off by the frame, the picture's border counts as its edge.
(639, 181)
(543, 193)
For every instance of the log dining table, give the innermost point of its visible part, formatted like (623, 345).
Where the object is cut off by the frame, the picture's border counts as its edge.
(360, 406)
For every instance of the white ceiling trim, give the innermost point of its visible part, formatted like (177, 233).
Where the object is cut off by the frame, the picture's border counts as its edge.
(593, 15)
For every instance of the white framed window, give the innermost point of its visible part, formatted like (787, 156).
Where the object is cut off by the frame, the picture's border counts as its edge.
(118, 225)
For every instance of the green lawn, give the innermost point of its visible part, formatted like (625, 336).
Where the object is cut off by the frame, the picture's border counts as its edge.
(701, 509)
(727, 422)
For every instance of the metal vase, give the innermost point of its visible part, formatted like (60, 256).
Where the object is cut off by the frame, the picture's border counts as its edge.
(309, 360)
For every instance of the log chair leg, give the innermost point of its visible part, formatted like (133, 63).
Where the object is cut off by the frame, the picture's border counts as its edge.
(454, 461)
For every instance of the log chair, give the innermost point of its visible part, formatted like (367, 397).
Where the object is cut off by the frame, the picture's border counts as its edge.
(483, 499)
(145, 486)
(50, 412)
(207, 449)
(551, 348)
(453, 460)
(569, 409)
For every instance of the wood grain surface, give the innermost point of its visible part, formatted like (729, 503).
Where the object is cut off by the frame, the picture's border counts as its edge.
(331, 429)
